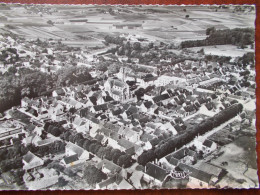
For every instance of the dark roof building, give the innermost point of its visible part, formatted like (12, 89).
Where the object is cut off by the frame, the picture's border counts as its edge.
(156, 172)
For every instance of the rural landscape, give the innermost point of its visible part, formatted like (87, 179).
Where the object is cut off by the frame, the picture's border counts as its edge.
(127, 97)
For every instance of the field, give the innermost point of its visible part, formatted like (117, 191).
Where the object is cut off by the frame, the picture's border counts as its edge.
(241, 162)
(223, 50)
(162, 23)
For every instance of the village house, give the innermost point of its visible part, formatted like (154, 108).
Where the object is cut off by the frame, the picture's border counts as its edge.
(58, 92)
(81, 125)
(165, 80)
(45, 142)
(184, 155)
(31, 161)
(99, 108)
(205, 145)
(129, 134)
(202, 175)
(74, 155)
(31, 140)
(154, 174)
(108, 167)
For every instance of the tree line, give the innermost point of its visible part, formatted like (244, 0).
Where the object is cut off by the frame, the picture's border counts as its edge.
(92, 145)
(34, 83)
(95, 147)
(168, 146)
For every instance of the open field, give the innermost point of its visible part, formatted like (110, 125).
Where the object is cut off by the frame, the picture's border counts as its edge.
(240, 157)
(223, 50)
(162, 23)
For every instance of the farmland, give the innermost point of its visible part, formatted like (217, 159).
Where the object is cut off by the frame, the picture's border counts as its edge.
(171, 23)
(223, 50)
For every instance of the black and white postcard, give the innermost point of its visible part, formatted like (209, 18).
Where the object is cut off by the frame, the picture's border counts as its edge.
(127, 97)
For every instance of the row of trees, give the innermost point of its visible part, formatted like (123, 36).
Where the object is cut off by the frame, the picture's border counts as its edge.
(114, 39)
(120, 158)
(237, 36)
(93, 175)
(167, 146)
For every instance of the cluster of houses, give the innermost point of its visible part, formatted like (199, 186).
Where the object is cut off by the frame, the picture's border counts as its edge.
(132, 112)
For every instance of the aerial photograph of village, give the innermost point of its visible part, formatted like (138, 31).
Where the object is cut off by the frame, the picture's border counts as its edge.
(127, 97)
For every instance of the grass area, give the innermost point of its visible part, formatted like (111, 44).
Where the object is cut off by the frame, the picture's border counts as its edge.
(248, 144)
(240, 156)
(227, 134)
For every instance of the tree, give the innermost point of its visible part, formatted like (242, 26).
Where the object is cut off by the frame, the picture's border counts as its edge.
(115, 153)
(102, 151)
(137, 46)
(146, 157)
(18, 175)
(50, 128)
(124, 161)
(62, 182)
(55, 131)
(71, 138)
(78, 136)
(140, 93)
(59, 146)
(12, 70)
(43, 150)
(94, 147)
(80, 142)
(46, 126)
(210, 30)
(108, 154)
(92, 175)
(86, 144)
(50, 22)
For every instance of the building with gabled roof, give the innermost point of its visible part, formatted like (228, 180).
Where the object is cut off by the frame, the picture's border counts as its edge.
(117, 89)
(72, 149)
(58, 92)
(154, 174)
(68, 161)
(108, 167)
(31, 161)
(197, 177)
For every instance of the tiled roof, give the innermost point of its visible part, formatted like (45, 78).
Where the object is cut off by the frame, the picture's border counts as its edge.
(109, 165)
(209, 168)
(71, 159)
(196, 173)
(155, 171)
(207, 143)
(28, 157)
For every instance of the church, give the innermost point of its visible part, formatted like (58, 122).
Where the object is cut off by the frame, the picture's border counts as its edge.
(117, 89)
